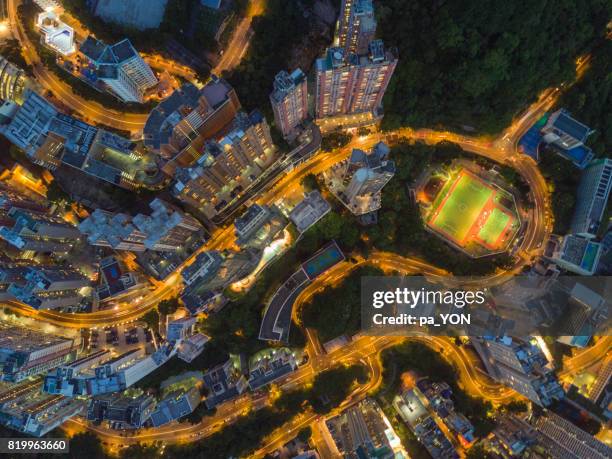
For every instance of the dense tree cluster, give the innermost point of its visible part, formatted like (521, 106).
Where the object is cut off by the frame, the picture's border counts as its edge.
(334, 140)
(563, 177)
(476, 64)
(336, 310)
(276, 33)
(590, 99)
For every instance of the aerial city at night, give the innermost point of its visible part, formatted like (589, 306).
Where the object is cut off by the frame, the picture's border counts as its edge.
(314, 229)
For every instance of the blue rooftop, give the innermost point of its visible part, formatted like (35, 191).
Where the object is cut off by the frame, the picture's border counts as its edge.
(565, 123)
(530, 142)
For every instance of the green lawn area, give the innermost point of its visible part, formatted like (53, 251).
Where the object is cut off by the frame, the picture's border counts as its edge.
(493, 227)
(461, 207)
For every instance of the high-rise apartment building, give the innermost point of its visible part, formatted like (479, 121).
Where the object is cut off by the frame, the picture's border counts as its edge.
(344, 18)
(12, 81)
(563, 439)
(360, 179)
(116, 231)
(592, 198)
(121, 68)
(166, 229)
(52, 287)
(357, 26)
(190, 115)
(520, 365)
(26, 352)
(227, 166)
(29, 230)
(367, 174)
(290, 101)
(352, 84)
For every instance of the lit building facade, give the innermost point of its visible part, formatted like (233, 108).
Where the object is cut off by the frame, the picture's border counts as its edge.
(352, 84)
(520, 365)
(227, 166)
(289, 101)
(29, 230)
(166, 229)
(12, 81)
(52, 287)
(592, 198)
(190, 115)
(121, 68)
(358, 26)
(25, 352)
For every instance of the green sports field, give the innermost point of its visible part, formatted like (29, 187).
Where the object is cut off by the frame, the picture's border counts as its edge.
(494, 227)
(461, 206)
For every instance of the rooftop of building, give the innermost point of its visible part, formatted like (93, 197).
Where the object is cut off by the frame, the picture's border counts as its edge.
(111, 55)
(580, 251)
(211, 257)
(309, 210)
(163, 118)
(285, 82)
(18, 338)
(562, 121)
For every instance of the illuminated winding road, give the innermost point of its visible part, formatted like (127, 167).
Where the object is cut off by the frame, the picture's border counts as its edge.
(361, 349)
(96, 113)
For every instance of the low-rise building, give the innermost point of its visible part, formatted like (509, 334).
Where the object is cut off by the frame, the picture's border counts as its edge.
(175, 405)
(120, 410)
(211, 272)
(180, 329)
(52, 287)
(258, 226)
(269, 368)
(56, 35)
(25, 352)
(578, 255)
(223, 382)
(567, 137)
(115, 280)
(192, 347)
(309, 211)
